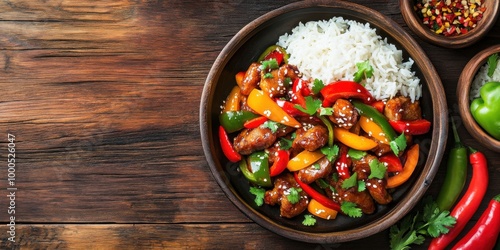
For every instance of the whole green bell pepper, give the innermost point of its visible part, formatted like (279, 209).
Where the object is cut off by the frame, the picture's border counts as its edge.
(486, 109)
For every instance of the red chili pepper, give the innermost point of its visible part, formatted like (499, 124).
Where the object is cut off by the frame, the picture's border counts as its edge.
(392, 162)
(485, 232)
(343, 162)
(345, 89)
(470, 201)
(227, 146)
(280, 162)
(325, 201)
(416, 127)
(289, 108)
(255, 122)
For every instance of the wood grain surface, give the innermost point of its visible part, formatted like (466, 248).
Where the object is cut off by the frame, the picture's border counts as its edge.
(103, 100)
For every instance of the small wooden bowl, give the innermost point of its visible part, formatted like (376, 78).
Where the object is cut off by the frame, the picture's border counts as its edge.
(463, 91)
(453, 42)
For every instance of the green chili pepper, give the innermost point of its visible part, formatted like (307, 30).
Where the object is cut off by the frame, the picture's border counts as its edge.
(377, 117)
(256, 169)
(233, 121)
(456, 174)
(486, 109)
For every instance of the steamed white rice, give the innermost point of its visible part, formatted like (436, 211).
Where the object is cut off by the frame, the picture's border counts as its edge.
(482, 78)
(329, 50)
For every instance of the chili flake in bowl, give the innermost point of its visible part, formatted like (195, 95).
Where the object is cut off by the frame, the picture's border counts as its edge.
(450, 23)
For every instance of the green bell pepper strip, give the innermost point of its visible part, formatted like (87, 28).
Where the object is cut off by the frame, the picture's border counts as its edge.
(233, 121)
(256, 169)
(456, 174)
(486, 109)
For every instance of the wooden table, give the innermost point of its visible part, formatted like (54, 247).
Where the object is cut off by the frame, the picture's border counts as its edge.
(103, 99)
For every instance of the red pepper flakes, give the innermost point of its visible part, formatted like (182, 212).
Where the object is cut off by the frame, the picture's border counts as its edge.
(450, 17)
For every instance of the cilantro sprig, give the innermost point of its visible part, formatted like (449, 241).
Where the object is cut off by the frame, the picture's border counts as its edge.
(365, 70)
(413, 228)
(351, 181)
(309, 220)
(312, 105)
(377, 169)
(398, 144)
(351, 209)
(294, 195)
(259, 195)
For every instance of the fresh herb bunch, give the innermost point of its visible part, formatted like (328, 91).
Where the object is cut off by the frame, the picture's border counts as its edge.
(427, 220)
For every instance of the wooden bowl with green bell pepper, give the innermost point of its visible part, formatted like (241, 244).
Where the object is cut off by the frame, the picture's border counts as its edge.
(481, 116)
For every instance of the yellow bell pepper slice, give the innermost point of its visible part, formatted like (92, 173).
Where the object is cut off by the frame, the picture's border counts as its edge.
(317, 209)
(233, 100)
(304, 159)
(353, 140)
(265, 106)
(374, 130)
(409, 167)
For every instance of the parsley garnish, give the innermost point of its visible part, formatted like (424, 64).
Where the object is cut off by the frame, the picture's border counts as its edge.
(361, 186)
(330, 152)
(356, 154)
(492, 64)
(377, 169)
(399, 144)
(415, 226)
(259, 195)
(312, 105)
(351, 181)
(272, 125)
(294, 195)
(317, 86)
(351, 209)
(269, 64)
(309, 220)
(365, 70)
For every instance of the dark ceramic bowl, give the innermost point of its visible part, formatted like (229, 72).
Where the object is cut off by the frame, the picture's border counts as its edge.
(454, 42)
(245, 47)
(463, 90)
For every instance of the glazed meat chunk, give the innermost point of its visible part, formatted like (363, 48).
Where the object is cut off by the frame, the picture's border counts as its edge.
(401, 108)
(378, 190)
(275, 84)
(344, 114)
(251, 140)
(278, 195)
(312, 138)
(251, 78)
(362, 166)
(314, 172)
(362, 199)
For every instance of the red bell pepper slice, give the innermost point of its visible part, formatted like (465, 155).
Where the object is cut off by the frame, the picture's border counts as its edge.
(298, 90)
(255, 122)
(280, 162)
(325, 201)
(290, 108)
(345, 89)
(392, 162)
(342, 163)
(416, 127)
(379, 106)
(278, 56)
(227, 146)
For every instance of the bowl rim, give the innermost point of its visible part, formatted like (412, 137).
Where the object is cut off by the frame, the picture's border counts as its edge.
(463, 91)
(415, 24)
(436, 150)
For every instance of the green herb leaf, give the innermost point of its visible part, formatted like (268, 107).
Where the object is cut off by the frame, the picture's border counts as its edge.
(356, 154)
(351, 181)
(285, 144)
(492, 64)
(269, 64)
(361, 186)
(330, 152)
(294, 195)
(325, 111)
(268, 75)
(318, 85)
(287, 82)
(365, 70)
(415, 226)
(399, 144)
(272, 125)
(351, 209)
(377, 169)
(259, 195)
(312, 105)
(309, 220)
(316, 166)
